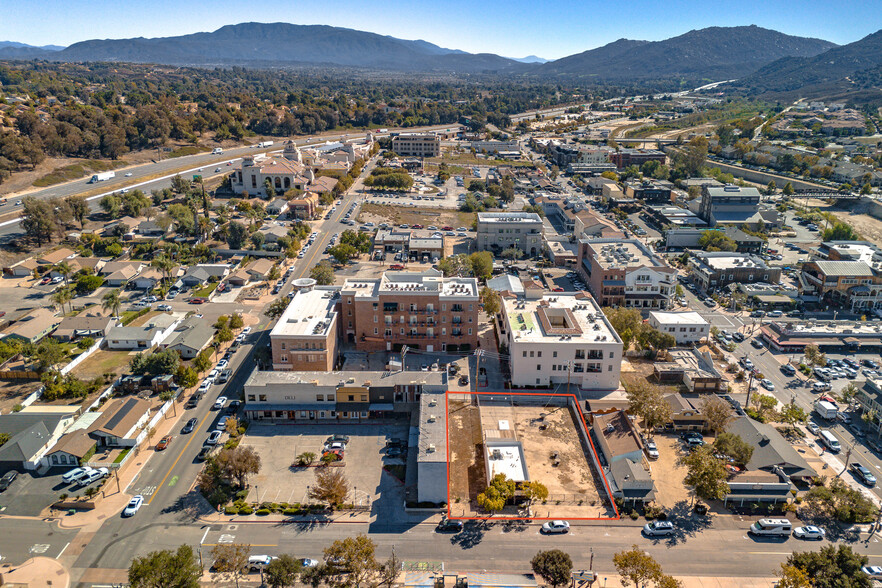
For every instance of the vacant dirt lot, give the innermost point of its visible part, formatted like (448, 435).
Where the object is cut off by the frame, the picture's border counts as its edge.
(552, 452)
(397, 215)
(667, 474)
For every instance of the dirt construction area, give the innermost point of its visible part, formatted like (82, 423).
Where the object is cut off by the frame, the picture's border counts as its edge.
(553, 455)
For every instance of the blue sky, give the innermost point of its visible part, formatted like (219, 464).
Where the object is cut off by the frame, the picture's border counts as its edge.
(513, 28)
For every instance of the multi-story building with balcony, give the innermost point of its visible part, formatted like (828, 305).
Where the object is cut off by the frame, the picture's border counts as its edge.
(856, 285)
(714, 270)
(560, 338)
(305, 336)
(420, 310)
(624, 272)
(498, 231)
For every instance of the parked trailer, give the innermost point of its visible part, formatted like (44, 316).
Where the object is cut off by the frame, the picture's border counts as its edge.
(263, 144)
(102, 177)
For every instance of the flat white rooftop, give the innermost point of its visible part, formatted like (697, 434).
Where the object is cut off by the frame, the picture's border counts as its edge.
(506, 457)
(678, 318)
(568, 317)
(310, 314)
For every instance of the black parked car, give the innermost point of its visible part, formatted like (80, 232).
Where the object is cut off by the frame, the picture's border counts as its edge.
(738, 336)
(7, 479)
(448, 526)
(233, 407)
(203, 453)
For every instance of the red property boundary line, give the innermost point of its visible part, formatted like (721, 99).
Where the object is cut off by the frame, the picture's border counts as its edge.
(502, 518)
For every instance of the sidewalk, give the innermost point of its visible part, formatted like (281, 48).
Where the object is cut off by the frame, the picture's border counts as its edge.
(36, 573)
(114, 500)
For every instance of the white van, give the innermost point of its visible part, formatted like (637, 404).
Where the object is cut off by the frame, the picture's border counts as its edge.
(773, 527)
(829, 441)
(217, 151)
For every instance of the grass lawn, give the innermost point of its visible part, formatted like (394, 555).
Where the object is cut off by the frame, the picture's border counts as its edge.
(102, 362)
(206, 291)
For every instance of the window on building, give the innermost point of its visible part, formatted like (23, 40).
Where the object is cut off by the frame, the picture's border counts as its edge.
(352, 398)
(532, 353)
(554, 354)
(538, 367)
(283, 346)
(580, 354)
(261, 397)
(251, 397)
(319, 397)
(284, 359)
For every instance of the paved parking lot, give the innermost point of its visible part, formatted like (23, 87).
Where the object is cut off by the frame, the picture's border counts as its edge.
(30, 494)
(279, 445)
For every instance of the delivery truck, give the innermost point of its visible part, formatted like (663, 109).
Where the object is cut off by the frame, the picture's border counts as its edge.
(263, 144)
(826, 410)
(102, 177)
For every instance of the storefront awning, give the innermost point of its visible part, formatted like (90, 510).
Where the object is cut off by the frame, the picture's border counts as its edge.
(380, 407)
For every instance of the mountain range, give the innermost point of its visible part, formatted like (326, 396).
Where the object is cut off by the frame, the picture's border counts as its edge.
(713, 53)
(847, 68)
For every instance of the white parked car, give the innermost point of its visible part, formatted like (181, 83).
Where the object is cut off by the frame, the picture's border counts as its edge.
(809, 532)
(246, 330)
(220, 402)
(658, 529)
(133, 506)
(651, 449)
(555, 527)
(768, 385)
(164, 307)
(222, 364)
(93, 476)
(75, 474)
(213, 438)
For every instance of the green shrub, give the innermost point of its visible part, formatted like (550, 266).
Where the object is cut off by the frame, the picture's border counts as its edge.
(291, 511)
(263, 512)
(633, 514)
(231, 510)
(246, 510)
(241, 494)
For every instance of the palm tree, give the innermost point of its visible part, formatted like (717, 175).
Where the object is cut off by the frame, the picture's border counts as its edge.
(62, 296)
(112, 302)
(164, 264)
(65, 270)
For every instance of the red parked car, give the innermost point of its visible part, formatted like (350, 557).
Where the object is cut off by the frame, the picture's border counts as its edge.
(164, 443)
(396, 266)
(197, 300)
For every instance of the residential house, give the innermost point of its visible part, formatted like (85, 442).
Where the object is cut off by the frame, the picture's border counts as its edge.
(770, 449)
(324, 185)
(121, 423)
(190, 337)
(23, 269)
(686, 412)
(81, 263)
(84, 325)
(151, 230)
(148, 279)
(304, 207)
(259, 269)
(621, 451)
(32, 433)
(71, 449)
(198, 275)
(238, 278)
(55, 257)
(145, 337)
(120, 277)
(277, 206)
(272, 233)
(33, 326)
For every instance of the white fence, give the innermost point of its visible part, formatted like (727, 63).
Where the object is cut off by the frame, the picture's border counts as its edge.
(82, 356)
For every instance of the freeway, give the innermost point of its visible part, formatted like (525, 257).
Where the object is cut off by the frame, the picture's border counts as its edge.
(154, 176)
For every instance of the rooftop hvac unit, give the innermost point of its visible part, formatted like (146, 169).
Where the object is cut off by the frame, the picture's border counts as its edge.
(610, 428)
(432, 418)
(433, 402)
(431, 448)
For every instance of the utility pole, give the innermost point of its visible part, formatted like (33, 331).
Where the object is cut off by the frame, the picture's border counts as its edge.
(749, 383)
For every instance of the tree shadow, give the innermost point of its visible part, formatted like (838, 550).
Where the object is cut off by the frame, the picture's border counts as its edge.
(835, 531)
(472, 534)
(687, 523)
(515, 526)
(189, 507)
(316, 521)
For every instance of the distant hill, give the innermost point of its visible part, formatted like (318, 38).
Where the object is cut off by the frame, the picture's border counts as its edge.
(713, 53)
(851, 67)
(15, 50)
(286, 44)
(530, 59)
